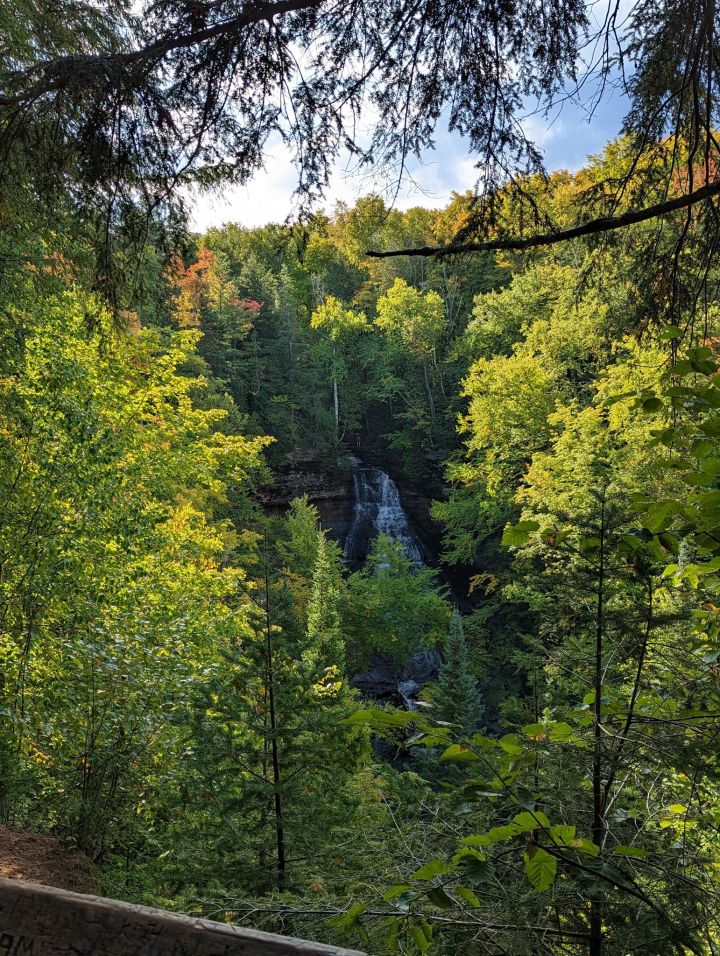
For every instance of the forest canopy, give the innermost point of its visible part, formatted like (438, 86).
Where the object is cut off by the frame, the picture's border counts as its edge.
(370, 598)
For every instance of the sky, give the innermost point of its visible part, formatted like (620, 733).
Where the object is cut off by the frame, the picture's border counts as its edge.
(566, 138)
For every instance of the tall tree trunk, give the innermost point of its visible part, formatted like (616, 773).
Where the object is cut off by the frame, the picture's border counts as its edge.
(431, 403)
(336, 400)
(279, 828)
(336, 404)
(598, 826)
(642, 654)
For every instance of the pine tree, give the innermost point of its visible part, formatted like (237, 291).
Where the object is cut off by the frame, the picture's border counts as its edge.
(457, 699)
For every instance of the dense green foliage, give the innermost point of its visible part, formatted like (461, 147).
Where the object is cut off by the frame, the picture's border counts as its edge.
(176, 660)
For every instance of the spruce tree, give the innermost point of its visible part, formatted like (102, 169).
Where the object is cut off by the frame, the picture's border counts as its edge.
(457, 700)
(324, 623)
(269, 758)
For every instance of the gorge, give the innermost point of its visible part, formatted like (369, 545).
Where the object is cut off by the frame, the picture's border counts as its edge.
(321, 575)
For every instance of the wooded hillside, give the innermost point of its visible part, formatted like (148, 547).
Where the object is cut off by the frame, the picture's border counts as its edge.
(365, 597)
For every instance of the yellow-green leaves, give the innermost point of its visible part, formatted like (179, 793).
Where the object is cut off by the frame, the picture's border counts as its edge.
(116, 498)
(634, 852)
(347, 920)
(553, 730)
(467, 896)
(431, 869)
(459, 753)
(380, 719)
(337, 320)
(661, 514)
(540, 867)
(422, 935)
(523, 823)
(413, 318)
(518, 534)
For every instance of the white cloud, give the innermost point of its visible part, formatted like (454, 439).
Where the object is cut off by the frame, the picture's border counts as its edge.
(269, 196)
(541, 130)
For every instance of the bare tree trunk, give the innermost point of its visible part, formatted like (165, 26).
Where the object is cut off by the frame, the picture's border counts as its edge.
(431, 403)
(336, 404)
(279, 829)
(642, 654)
(336, 400)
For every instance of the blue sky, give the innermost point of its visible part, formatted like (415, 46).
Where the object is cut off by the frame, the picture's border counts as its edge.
(566, 137)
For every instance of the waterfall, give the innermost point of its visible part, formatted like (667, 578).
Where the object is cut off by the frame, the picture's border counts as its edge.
(377, 509)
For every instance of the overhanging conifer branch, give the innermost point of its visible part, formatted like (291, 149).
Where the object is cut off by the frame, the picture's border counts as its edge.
(57, 74)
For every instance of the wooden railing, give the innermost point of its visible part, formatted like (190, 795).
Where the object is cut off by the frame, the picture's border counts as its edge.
(42, 921)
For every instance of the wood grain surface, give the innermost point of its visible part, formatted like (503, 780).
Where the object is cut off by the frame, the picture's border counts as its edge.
(40, 920)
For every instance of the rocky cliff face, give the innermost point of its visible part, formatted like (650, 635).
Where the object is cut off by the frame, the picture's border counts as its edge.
(330, 490)
(355, 503)
(334, 493)
(385, 680)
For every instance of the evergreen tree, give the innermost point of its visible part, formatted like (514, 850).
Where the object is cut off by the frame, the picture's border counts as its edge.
(269, 759)
(324, 624)
(457, 700)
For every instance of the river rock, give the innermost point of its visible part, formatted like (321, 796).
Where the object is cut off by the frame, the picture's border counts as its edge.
(387, 681)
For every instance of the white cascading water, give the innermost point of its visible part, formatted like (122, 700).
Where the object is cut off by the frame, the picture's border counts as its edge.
(377, 509)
